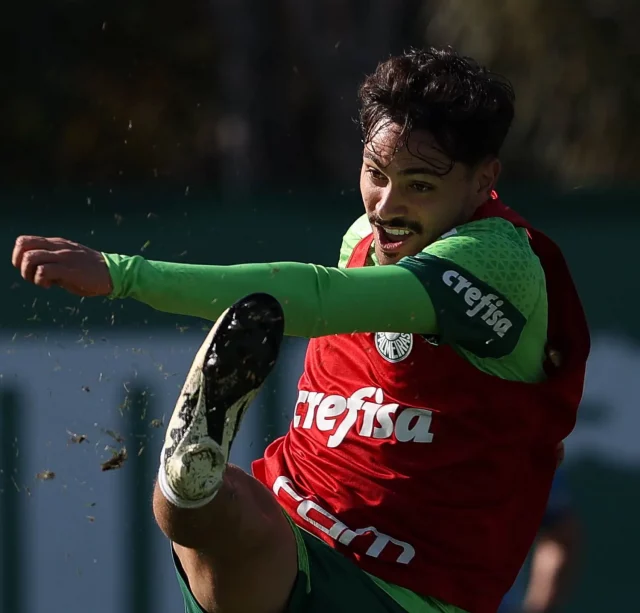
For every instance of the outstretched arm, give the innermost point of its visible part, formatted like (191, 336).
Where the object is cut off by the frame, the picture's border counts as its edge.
(317, 301)
(434, 292)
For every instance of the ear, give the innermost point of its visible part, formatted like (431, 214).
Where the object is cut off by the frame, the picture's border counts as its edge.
(486, 178)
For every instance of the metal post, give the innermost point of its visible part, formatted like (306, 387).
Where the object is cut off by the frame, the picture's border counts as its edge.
(141, 466)
(12, 556)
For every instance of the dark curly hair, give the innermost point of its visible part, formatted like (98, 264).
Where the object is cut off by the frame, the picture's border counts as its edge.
(466, 108)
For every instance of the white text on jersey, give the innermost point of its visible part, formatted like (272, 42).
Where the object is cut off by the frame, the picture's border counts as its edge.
(365, 410)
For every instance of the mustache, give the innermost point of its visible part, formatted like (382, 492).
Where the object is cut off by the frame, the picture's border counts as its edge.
(397, 223)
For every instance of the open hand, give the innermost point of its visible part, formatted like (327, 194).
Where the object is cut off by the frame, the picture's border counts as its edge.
(48, 262)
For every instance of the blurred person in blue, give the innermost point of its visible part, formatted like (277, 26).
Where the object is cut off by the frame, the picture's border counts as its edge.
(543, 582)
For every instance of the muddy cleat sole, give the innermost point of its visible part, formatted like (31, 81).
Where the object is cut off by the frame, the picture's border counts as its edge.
(226, 375)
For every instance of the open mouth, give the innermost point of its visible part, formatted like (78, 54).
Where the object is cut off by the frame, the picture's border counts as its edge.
(391, 239)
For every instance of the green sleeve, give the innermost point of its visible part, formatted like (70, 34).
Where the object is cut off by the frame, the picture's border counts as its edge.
(486, 284)
(317, 301)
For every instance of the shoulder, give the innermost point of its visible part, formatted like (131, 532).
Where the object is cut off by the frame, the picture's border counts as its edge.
(496, 252)
(485, 283)
(481, 245)
(356, 232)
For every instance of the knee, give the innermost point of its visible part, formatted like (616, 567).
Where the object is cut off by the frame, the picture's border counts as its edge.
(164, 513)
(183, 526)
(243, 517)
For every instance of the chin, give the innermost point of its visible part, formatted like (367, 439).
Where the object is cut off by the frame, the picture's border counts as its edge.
(387, 258)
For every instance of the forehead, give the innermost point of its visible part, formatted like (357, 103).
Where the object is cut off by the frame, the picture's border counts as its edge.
(389, 147)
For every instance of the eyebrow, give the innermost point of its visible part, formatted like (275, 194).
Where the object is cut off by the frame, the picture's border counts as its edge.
(406, 172)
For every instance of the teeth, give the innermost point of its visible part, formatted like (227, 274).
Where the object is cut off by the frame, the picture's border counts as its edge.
(397, 231)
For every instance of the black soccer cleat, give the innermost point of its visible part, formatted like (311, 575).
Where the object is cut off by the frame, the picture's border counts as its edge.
(226, 375)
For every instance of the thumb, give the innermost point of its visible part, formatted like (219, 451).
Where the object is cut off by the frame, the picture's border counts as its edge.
(49, 274)
(70, 279)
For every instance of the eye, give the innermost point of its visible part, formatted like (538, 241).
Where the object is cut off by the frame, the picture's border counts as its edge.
(421, 188)
(375, 174)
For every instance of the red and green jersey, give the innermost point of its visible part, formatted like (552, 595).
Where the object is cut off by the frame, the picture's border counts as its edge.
(430, 472)
(423, 442)
(498, 257)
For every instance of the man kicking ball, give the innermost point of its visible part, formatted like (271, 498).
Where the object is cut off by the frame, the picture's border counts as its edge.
(445, 367)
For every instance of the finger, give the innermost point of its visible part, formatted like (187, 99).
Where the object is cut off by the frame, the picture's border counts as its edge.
(40, 278)
(52, 273)
(58, 274)
(26, 243)
(34, 258)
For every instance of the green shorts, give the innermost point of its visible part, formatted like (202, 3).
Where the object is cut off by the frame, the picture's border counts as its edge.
(327, 581)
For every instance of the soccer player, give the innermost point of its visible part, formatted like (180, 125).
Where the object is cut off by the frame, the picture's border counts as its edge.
(542, 583)
(445, 366)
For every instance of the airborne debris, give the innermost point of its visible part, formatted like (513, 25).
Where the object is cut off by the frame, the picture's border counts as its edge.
(114, 435)
(156, 423)
(46, 475)
(116, 461)
(77, 438)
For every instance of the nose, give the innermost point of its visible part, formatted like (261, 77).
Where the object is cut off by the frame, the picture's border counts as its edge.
(391, 205)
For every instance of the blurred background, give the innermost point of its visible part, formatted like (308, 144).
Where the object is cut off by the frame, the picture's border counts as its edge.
(223, 132)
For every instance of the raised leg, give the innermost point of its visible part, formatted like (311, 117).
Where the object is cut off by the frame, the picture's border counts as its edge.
(234, 545)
